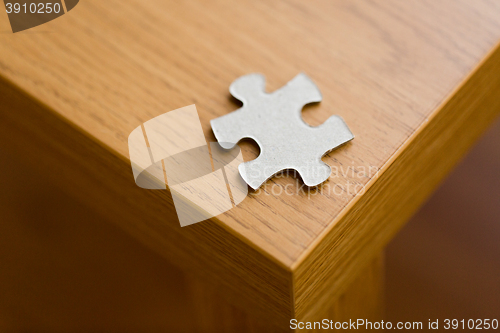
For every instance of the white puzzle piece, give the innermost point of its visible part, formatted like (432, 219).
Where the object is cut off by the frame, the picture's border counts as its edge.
(274, 121)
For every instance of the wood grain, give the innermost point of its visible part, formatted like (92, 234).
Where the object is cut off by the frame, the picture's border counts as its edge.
(415, 81)
(363, 298)
(393, 198)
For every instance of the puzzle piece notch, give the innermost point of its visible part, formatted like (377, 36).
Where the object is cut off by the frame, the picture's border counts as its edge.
(274, 121)
(258, 107)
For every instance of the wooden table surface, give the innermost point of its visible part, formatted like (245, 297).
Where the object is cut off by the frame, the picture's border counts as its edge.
(416, 81)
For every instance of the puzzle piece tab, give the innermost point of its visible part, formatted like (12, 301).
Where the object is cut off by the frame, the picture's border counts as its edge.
(274, 121)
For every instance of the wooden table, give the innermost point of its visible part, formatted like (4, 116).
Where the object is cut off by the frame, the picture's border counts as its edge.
(416, 81)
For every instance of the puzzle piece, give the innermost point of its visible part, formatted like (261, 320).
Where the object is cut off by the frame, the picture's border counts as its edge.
(274, 121)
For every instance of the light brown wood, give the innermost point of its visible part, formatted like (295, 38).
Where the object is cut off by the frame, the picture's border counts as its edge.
(363, 298)
(402, 187)
(416, 82)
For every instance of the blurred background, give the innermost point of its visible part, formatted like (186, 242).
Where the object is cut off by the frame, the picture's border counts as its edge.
(445, 263)
(64, 268)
